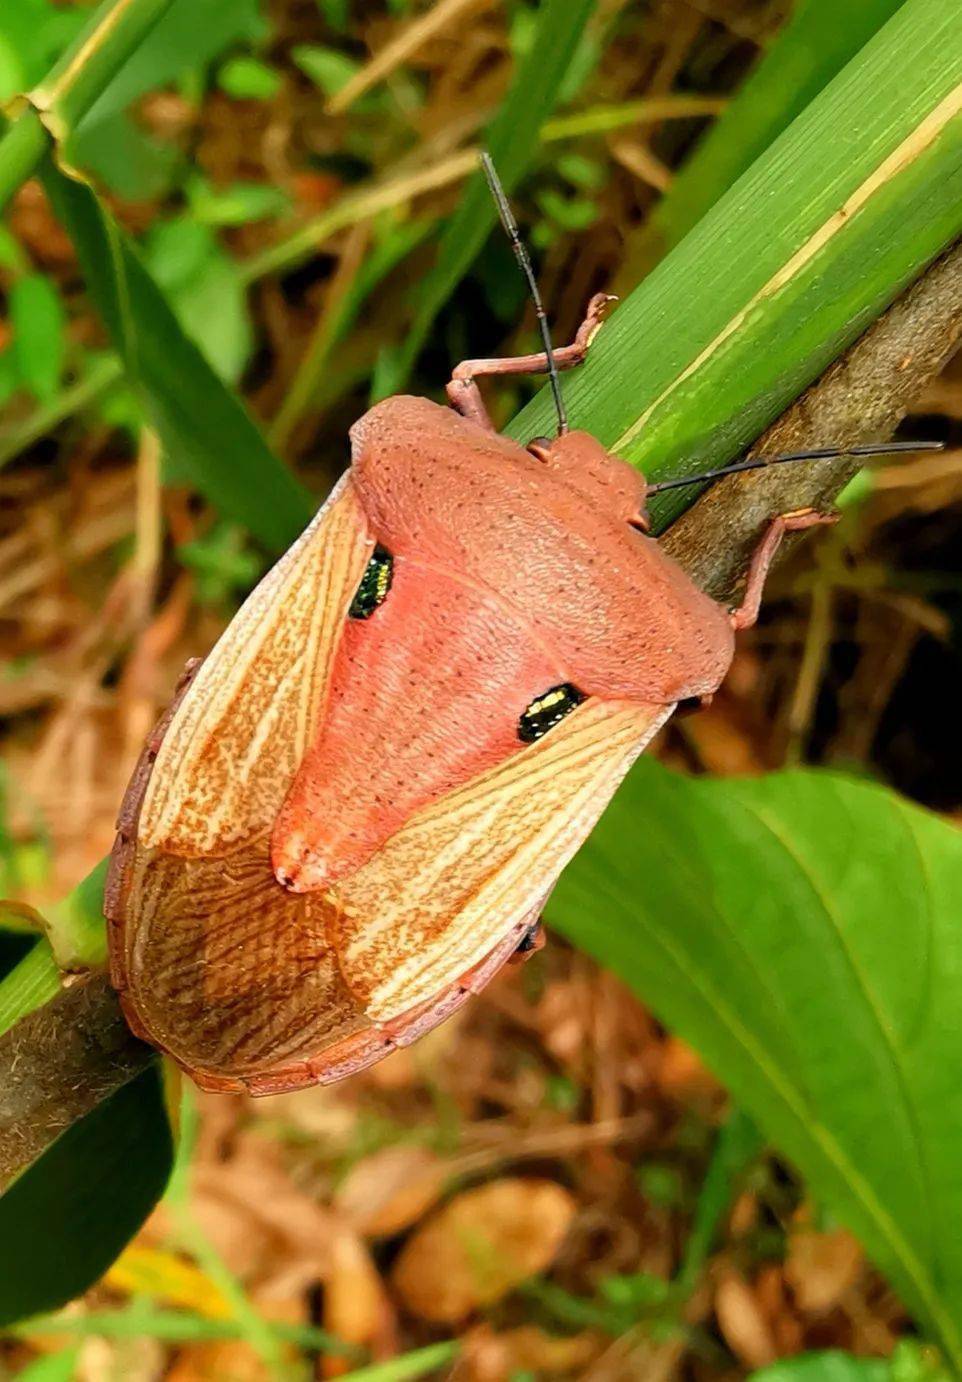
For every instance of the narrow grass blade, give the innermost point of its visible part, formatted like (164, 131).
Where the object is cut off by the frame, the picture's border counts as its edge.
(204, 428)
(512, 140)
(807, 248)
(812, 48)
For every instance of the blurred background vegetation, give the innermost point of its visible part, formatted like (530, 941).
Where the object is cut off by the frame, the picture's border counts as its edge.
(289, 171)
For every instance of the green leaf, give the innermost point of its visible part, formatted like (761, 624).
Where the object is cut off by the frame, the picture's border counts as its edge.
(336, 12)
(65, 1218)
(236, 205)
(802, 931)
(204, 288)
(189, 35)
(248, 79)
(328, 68)
(812, 48)
(32, 34)
(911, 1362)
(789, 267)
(9, 376)
(826, 1367)
(56, 1367)
(39, 333)
(736, 1147)
(512, 140)
(118, 153)
(202, 425)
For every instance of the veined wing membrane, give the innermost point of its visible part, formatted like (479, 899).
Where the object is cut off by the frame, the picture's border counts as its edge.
(232, 749)
(443, 891)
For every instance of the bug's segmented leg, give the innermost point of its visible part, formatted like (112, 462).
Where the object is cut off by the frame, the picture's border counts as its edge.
(746, 614)
(464, 394)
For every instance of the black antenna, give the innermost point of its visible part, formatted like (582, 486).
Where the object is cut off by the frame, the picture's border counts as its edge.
(820, 453)
(521, 254)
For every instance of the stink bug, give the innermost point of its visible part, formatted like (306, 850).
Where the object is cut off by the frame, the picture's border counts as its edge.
(351, 815)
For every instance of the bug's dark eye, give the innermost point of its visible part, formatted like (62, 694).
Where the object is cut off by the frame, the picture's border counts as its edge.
(374, 586)
(548, 710)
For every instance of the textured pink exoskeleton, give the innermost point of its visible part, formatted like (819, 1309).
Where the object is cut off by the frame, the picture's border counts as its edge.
(354, 810)
(428, 693)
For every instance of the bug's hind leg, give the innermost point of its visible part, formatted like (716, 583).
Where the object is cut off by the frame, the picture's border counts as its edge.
(746, 614)
(464, 394)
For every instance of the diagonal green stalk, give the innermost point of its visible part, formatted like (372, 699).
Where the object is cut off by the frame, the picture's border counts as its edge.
(21, 148)
(85, 68)
(789, 267)
(811, 49)
(511, 139)
(55, 107)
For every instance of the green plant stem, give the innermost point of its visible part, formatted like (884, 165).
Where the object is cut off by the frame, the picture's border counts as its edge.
(171, 1326)
(789, 267)
(77, 79)
(21, 149)
(35, 980)
(55, 107)
(101, 376)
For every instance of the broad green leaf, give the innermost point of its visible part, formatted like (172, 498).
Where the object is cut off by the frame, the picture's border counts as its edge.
(819, 39)
(39, 333)
(861, 191)
(512, 140)
(65, 1218)
(204, 428)
(802, 930)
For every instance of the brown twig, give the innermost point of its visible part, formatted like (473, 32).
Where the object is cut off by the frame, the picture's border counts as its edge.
(58, 1063)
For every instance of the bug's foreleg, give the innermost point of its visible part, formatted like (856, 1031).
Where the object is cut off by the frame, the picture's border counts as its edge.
(746, 614)
(464, 394)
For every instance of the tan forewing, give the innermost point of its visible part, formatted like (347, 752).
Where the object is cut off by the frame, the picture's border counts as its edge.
(238, 736)
(442, 891)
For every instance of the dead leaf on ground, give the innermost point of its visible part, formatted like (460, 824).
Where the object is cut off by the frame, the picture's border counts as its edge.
(267, 1229)
(356, 1306)
(390, 1190)
(821, 1268)
(481, 1245)
(487, 1356)
(219, 1361)
(742, 1322)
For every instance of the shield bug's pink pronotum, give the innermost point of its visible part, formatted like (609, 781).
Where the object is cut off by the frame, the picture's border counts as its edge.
(351, 815)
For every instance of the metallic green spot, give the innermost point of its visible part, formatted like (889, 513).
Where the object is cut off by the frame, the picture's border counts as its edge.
(548, 710)
(374, 586)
